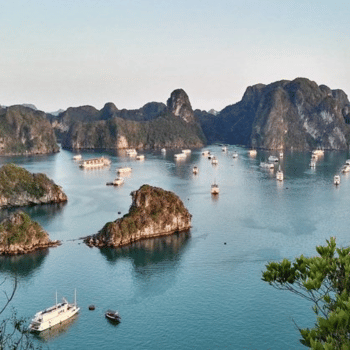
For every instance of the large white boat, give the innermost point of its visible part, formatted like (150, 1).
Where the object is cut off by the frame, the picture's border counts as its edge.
(95, 163)
(131, 152)
(125, 169)
(53, 315)
(318, 152)
(180, 155)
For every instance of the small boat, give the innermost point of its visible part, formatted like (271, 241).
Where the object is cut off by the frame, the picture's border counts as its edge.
(318, 152)
(125, 169)
(266, 165)
(131, 152)
(336, 180)
(235, 155)
(205, 153)
(345, 168)
(163, 150)
(180, 156)
(113, 315)
(214, 188)
(279, 174)
(281, 155)
(252, 152)
(313, 163)
(118, 181)
(77, 157)
(273, 159)
(224, 149)
(195, 170)
(53, 315)
(214, 161)
(347, 162)
(186, 151)
(140, 157)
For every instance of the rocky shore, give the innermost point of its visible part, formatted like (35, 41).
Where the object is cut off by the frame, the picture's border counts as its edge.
(20, 235)
(154, 212)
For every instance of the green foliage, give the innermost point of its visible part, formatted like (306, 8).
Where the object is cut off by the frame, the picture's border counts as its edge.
(325, 281)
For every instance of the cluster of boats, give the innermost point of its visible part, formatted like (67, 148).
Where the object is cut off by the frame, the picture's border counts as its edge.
(61, 312)
(270, 165)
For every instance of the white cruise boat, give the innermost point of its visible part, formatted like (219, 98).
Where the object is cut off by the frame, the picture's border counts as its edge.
(214, 188)
(125, 169)
(318, 152)
(53, 315)
(131, 152)
(266, 165)
(140, 157)
(180, 155)
(252, 152)
(77, 157)
(336, 180)
(273, 159)
(279, 174)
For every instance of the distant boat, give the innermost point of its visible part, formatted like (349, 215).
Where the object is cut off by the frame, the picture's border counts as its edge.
(279, 174)
(205, 153)
(131, 152)
(53, 315)
(273, 159)
(118, 181)
(313, 163)
(266, 165)
(214, 188)
(314, 157)
(180, 156)
(252, 152)
(186, 151)
(77, 157)
(336, 180)
(345, 168)
(195, 170)
(113, 315)
(125, 169)
(318, 152)
(140, 157)
(214, 161)
(347, 162)
(281, 155)
(95, 163)
(163, 150)
(235, 155)
(224, 149)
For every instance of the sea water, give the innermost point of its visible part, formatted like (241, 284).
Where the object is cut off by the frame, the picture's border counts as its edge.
(200, 289)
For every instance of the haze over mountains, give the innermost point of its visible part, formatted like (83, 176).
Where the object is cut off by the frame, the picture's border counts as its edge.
(298, 114)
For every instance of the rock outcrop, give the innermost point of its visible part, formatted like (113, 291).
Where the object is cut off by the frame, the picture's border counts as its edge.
(25, 131)
(153, 126)
(154, 212)
(296, 114)
(18, 187)
(20, 235)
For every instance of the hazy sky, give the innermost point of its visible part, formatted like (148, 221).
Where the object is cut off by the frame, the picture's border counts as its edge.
(61, 53)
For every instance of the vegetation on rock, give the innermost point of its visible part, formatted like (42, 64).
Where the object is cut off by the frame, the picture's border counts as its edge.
(24, 131)
(325, 281)
(154, 212)
(19, 234)
(19, 187)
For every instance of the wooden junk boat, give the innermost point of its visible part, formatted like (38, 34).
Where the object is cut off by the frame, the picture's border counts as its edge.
(113, 315)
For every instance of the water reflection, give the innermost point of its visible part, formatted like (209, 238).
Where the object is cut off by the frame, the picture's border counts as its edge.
(149, 251)
(23, 265)
(56, 331)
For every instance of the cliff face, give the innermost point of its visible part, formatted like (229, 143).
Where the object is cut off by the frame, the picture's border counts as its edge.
(20, 235)
(152, 126)
(18, 187)
(25, 131)
(154, 212)
(296, 114)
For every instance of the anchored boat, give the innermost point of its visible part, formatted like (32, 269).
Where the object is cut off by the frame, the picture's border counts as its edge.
(54, 315)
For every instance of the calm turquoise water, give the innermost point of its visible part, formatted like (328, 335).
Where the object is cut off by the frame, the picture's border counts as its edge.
(187, 291)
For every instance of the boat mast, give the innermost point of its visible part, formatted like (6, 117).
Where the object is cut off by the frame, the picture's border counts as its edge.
(56, 297)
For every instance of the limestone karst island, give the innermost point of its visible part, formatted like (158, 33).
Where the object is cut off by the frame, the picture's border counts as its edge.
(153, 212)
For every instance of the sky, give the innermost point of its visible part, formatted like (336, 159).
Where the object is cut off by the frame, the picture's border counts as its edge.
(57, 54)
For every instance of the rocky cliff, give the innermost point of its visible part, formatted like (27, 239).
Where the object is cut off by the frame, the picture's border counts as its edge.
(25, 131)
(18, 187)
(20, 235)
(153, 212)
(296, 114)
(155, 125)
